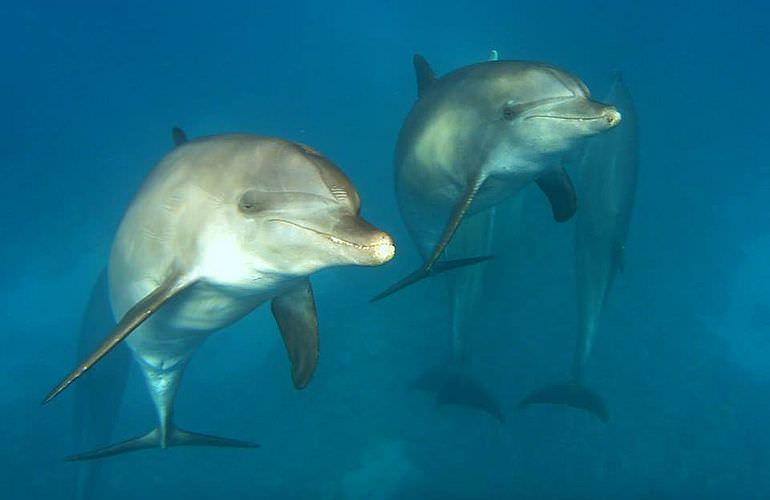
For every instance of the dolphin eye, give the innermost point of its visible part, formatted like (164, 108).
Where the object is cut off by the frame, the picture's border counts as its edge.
(510, 111)
(249, 202)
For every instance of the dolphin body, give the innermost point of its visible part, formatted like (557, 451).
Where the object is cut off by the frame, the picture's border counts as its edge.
(608, 175)
(474, 138)
(477, 136)
(222, 225)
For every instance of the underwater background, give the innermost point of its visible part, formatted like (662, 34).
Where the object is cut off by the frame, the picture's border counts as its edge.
(89, 94)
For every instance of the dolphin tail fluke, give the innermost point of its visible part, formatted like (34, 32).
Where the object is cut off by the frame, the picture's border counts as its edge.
(462, 390)
(175, 437)
(569, 394)
(458, 389)
(422, 273)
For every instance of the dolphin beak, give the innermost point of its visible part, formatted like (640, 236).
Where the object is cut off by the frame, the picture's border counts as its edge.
(364, 244)
(612, 115)
(356, 241)
(589, 115)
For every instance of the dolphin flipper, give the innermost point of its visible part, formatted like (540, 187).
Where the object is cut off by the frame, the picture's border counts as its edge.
(569, 394)
(295, 313)
(175, 437)
(558, 188)
(432, 266)
(422, 273)
(135, 316)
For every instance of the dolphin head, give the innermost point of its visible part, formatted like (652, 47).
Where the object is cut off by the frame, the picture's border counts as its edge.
(301, 214)
(544, 108)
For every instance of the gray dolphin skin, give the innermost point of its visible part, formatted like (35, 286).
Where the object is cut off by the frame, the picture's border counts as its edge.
(477, 136)
(607, 187)
(222, 225)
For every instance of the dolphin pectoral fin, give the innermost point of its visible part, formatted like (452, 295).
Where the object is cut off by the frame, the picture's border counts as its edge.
(295, 313)
(425, 76)
(422, 273)
(558, 188)
(178, 136)
(461, 390)
(130, 322)
(447, 265)
(177, 437)
(569, 394)
(432, 266)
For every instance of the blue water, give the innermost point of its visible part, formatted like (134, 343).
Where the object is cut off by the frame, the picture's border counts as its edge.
(89, 93)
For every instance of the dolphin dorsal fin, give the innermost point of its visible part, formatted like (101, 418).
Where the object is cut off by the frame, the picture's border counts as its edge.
(425, 76)
(178, 136)
(493, 56)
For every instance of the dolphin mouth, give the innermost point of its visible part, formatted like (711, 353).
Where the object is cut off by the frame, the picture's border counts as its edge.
(577, 118)
(377, 247)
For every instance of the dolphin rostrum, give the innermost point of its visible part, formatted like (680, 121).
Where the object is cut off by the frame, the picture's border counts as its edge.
(222, 225)
(608, 174)
(477, 136)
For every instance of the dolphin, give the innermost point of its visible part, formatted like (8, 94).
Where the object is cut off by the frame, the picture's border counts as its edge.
(222, 225)
(608, 174)
(476, 137)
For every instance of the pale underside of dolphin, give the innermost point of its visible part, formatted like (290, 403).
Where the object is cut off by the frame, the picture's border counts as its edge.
(477, 136)
(222, 225)
(607, 187)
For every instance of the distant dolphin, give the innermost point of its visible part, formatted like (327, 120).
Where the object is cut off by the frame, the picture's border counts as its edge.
(222, 225)
(608, 174)
(477, 136)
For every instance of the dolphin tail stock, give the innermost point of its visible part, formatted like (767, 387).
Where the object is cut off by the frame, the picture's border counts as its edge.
(425, 272)
(573, 393)
(153, 439)
(457, 388)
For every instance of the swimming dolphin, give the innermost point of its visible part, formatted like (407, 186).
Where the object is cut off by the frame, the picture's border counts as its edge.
(608, 174)
(222, 225)
(477, 136)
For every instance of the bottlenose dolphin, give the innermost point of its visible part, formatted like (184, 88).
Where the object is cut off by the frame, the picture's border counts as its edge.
(608, 174)
(222, 225)
(477, 136)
